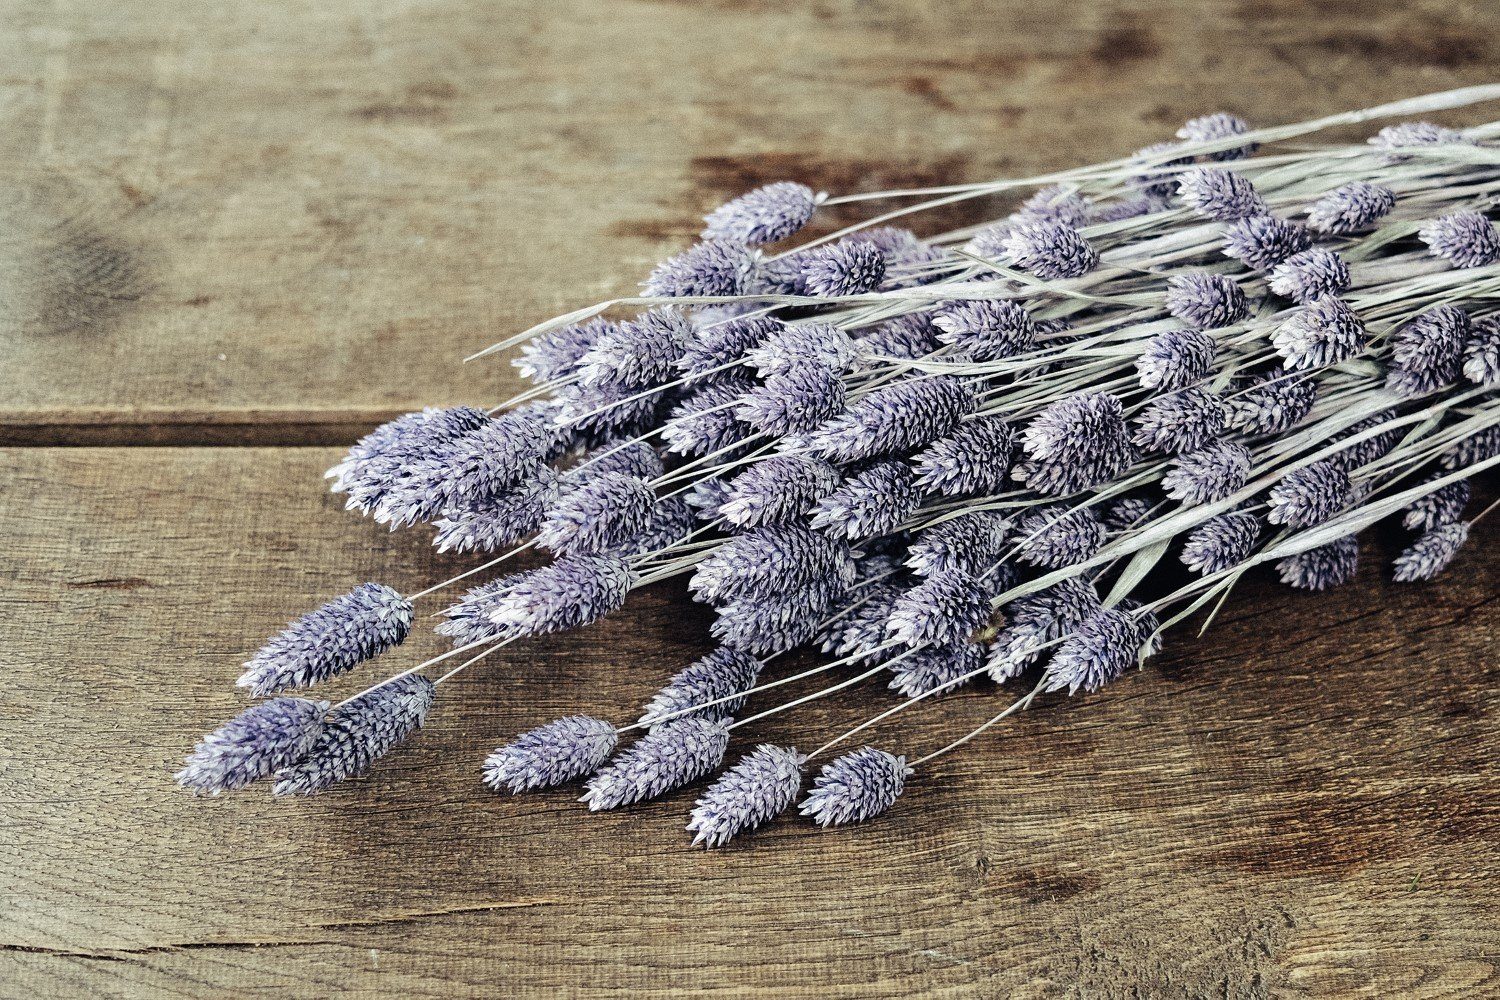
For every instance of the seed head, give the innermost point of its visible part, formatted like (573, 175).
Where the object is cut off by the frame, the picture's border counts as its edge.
(1055, 537)
(572, 592)
(795, 401)
(1037, 619)
(1273, 402)
(1480, 446)
(332, 640)
(707, 421)
(972, 461)
(1126, 514)
(1221, 542)
(1220, 125)
(1204, 299)
(1444, 505)
(970, 542)
(944, 609)
(1464, 239)
(765, 215)
(468, 621)
(932, 667)
(606, 410)
(794, 347)
(870, 503)
(1309, 275)
(907, 337)
(1309, 496)
(1356, 206)
(1482, 352)
(554, 354)
(1221, 195)
(378, 458)
(1364, 452)
(1176, 359)
(1260, 242)
(499, 521)
(559, 752)
(1055, 203)
(358, 734)
(668, 757)
(720, 674)
(762, 786)
(1430, 555)
(1098, 651)
(1427, 353)
(1050, 250)
(724, 342)
(260, 740)
(768, 626)
(1213, 472)
(850, 267)
(781, 488)
(635, 459)
(707, 496)
(856, 787)
(768, 561)
(1180, 421)
(670, 523)
(894, 419)
(1074, 444)
(640, 353)
(985, 329)
(1158, 177)
(1323, 567)
(603, 513)
(1408, 134)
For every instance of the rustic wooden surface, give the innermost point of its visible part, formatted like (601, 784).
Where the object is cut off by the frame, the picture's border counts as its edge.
(247, 229)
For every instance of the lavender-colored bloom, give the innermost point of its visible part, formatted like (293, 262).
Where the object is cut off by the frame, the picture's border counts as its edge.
(1464, 239)
(1310, 495)
(907, 259)
(723, 343)
(1309, 275)
(1273, 402)
(972, 461)
(1035, 620)
(1125, 514)
(1050, 250)
(1323, 567)
(895, 419)
(850, 267)
(1211, 473)
(969, 542)
(859, 632)
(1055, 203)
(707, 421)
(985, 329)
(924, 670)
(1179, 421)
(1158, 180)
(1176, 359)
(636, 459)
(794, 401)
(1364, 452)
(668, 757)
(870, 503)
(707, 496)
(1219, 125)
(1221, 195)
(1427, 353)
(1481, 446)
(767, 214)
(606, 410)
(768, 561)
(762, 786)
(1260, 242)
(989, 242)
(1130, 208)
(1055, 537)
(359, 733)
(1221, 542)
(781, 275)
(724, 673)
(713, 267)
(1203, 299)
(1348, 209)
(559, 752)
(773, 624)
(943, 609)
(856, 787)
(603, 513)
(379, 457)
(325, 643)
(468, 621)
(1408, 134)
(640, 353)
(499, 521)
(670, 523)
(260, 740)
(1098, 651)
(1074, 444)
(1482, 352)
(1430, 555)
(572, 592)
(1444, 505)
(778, 489)
(908, 337)
(554, 354)
(792, 347)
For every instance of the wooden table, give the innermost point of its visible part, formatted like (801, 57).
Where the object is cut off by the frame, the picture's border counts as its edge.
(234, 235)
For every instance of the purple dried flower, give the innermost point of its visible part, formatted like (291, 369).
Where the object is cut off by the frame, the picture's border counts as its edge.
(908, 337)
(1126, 513)
(970, 542)
(720, 674)
(943, 609)
(668, 757)
(670, 523)
(1050, 250)
(707, 496)
(1273, 402)
(1176, 359)
(378, 457)
(260, 740)
(1260, 242)
(1098, 651)
(1364, 452)
(1309, 496)
(1444, 505)
(794, 347)
(856, 787)
(780, 275)
(640, 353)
(1055, 537)
(1464, 239)
(636, 459)
(1221, 195)
(1179, 421)
(1055, 203)
(989, 242)
(777, 489)
(762, 786)
(1427, 353)
(1220, 125)
(559, 752)
(359, 733)
(1348, 209)
(769, 561)
(713, 267)
(767, 214)
(985, 329)
(972, 461)
(706, 421)
(1482, 352)
(1131, 208)
(554, 354)
(325, 643)
(1037, 619)
(1221, 542)
(607, 410)
(923, 670)
(851, 267)
(723, 343)
(468, 621)
(1407, 134)
(895, 419)
(1158, 178)
(870, 503)
(572, 592)
(605, 512)
(1481, 446)
(1207, 300)
(1213, 472)
(1430, 555)
(861, 628)
(794, 401)
(1074, 444)
(499, 521)
(773, 624)
(1323, 567)
(1309, 275)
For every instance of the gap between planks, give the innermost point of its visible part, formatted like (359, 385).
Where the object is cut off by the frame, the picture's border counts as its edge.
(188, 428)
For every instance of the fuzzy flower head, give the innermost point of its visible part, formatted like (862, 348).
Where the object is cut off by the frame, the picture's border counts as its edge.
(985, 329)
(1354, 207)
(947, 667)
(1176, 359)
(640, 353)
(1408, 134)
(794, 401)
(606, 410)
(1430, 555)
(972, 461)
(358, 734)
(911, 336)
(895, 419)
(1221, 195)
(1055, 203)
(781, 488)
(636, 459)
(869, 504)
(765, 215)
(706, 421)
(849, 267)
(1320, 333)
(259, 741)
(1309, 496)
(1321, 568)
(668, 757)
(1033, 621)
(856, 787)
(1428, 353)
(1179, 421)
(1221, 542)
(468, 621)
(1213, 472)
(1444, 505)
(499, 521)
(1309, 275)
(724, 673)
(570, 593)
(943, 609)
(860, 630)
(768, 626)
(1260, 242)
(1054, 537)
(969, 543)
(603, 513)
(1158, 170)
(768, 561)
(1482, 352)
(1472, 449)
(1075, 443)
(1220, 125)
(1272, 402)
(1464, 239)
(555, 353)
(1364, 452)
(762, 786)
(1098, 651)
(670, 523)
(551, 755)
(1125, 514)
(1207, 300)
(381, 456)
(706, 497)
(330, 641)
(793, 347)
(724, 342)
(1050, 250)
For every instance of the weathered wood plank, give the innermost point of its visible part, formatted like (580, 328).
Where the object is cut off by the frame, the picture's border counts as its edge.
(1299, 804)
(320, 209)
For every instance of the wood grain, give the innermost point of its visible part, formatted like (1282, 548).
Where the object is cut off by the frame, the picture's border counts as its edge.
(208, 208)
(1297, 805)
